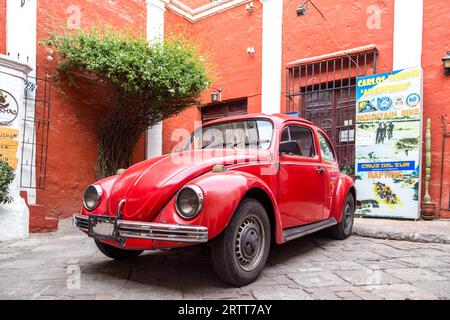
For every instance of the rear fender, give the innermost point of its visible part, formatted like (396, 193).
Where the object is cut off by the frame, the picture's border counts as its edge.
(345, 185)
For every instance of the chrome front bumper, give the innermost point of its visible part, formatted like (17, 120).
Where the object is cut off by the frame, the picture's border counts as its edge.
(149, 230)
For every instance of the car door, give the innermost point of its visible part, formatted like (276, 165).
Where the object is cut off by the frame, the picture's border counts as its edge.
(300, 193)
(330, 173)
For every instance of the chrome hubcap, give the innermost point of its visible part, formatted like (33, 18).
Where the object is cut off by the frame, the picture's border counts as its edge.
(249, 243)
(347, 214)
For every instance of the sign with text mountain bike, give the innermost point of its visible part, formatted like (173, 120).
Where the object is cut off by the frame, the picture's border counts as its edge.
(388, 143)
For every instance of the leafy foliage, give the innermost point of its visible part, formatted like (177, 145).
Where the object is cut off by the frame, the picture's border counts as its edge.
(7, 176)
(147, 83)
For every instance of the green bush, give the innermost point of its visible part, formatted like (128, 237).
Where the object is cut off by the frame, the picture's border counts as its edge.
(147, 82)
(7, 176)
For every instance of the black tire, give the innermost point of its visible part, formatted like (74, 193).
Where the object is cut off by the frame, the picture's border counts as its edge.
(240, 252)
(343, 229)
(117, 253)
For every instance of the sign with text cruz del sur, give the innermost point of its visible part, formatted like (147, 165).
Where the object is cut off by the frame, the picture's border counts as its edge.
(388, 143)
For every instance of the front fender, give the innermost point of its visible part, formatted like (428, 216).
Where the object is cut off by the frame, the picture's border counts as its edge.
(222, 194)
(102, 209)
(345, 185)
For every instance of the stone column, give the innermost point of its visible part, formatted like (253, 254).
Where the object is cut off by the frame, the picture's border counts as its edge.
(21, 44)
(14, 216)
(271, 56)
(155, 33)
(408, 30)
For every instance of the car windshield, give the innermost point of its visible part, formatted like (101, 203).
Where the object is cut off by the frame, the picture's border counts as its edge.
(254, 134)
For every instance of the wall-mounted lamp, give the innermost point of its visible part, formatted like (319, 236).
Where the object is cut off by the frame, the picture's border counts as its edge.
(50, 55)
(250, 7)
(251, 51)
(216, 95)
(446, 60)
(301, 9)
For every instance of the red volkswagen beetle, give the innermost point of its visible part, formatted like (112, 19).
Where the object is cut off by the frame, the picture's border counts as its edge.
(237, 184)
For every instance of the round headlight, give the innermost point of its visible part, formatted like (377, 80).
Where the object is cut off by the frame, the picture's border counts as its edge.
(189, 201)
(92, 197)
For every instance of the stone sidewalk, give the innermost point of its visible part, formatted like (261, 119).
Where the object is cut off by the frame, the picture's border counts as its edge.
(67, 265)
(437, 231)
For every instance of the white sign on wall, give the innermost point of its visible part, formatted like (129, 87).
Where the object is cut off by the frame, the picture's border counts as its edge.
(9, 108)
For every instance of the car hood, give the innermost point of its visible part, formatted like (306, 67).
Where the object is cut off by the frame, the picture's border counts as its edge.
(147, 186)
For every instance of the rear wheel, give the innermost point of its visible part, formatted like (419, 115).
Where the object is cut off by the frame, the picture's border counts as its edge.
(240, 253)
(116, 253)
(343, 229)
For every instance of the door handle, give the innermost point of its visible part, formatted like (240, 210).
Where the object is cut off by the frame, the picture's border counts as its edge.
(320, 170)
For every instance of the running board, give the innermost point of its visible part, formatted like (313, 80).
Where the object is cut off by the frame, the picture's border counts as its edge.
(297, 232)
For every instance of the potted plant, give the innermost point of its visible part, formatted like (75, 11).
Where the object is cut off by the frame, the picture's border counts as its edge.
(427, 207)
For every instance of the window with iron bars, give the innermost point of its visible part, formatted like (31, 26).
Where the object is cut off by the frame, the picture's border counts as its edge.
(324, 92)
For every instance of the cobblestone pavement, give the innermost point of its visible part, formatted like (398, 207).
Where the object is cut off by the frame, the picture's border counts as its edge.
(67, 265)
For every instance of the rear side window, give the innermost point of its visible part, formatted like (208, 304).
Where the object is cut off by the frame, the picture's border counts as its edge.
(326, 148)
(304, 139)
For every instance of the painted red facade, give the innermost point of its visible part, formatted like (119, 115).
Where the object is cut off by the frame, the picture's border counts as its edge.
(349, 31)
(223, 38)
(436, 89)
(72, 152)
(231, 68)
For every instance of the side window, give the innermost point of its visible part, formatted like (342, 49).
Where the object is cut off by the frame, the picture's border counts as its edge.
(285, 135)
(298, 141)
(326, 149)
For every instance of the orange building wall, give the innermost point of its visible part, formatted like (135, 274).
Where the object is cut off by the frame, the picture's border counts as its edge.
(175, 25)
(436, 93)
(308, 36)
(223, 40)
(72, 139)
(2, 26)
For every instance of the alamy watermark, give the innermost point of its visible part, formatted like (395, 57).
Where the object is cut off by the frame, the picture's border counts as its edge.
(374, 18)
(73, 17)
(74, 277)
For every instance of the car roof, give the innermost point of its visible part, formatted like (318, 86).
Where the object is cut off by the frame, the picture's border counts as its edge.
(277, 118)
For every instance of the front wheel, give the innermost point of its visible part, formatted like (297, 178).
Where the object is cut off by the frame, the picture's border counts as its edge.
(343, 229)
(116, 253)
(240, 253)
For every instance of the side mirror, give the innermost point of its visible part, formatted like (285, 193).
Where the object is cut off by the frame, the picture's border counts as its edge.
(290, 148)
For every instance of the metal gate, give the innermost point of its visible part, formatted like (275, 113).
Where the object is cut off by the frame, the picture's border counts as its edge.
(322, 90)
(36, 124)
